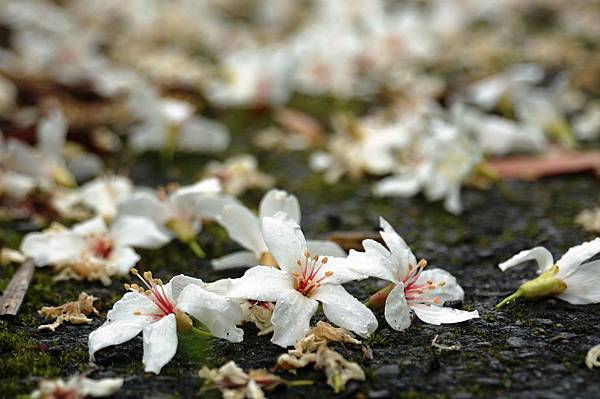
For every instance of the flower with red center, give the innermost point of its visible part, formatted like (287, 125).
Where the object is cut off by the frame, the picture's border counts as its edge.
(94, 244)
(300, 283)
(412, 288)
(159, 310)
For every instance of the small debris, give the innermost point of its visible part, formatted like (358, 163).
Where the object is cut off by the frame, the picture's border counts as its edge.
(74, 312)
(441, 347)
(234, 383)
(589, 219)
(593, 357)
(76, 387)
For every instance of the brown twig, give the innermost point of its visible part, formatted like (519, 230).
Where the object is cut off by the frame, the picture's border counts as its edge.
(13, 296)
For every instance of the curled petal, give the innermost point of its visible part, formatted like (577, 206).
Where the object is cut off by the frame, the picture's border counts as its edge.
(541, 255)
(576, 256)
(402, 256)
(291, 317)
(439, 315)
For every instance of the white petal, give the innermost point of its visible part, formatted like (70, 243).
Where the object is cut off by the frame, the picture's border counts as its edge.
(325, 248)
(160, 343)
(284, 239)
(122, 324)
(291, 317)
(148, 136)
(123, 259)
(406, 185)
(401, 253)
(397, 312)
(211, 205)
(376, 261)
(203, 135)
(51, 133)
(179, 282)
(575, 256)
(452, 201)
(446, 286)
(137, 232)
(278, 200)
(541, 255)
(16, 185)
(218, 314)
(583, 285)
(243, 227)
(103, 194)
(346, 311)
(145, 204)
(336, 271)
(236, 259)
(99, 388)
(53, 247)
(439, 315)
(261, 283)
(94, 226)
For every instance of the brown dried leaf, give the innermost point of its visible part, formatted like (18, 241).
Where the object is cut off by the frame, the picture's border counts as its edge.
(535, 167)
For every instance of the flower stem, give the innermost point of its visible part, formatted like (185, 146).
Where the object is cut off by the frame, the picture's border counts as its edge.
(512, 297)
(377, 300)
(194, 246)
(299, 383)
(201, 333)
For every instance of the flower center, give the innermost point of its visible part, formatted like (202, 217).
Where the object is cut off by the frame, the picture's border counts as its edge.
(307, 271)
(414, 291)
(101, 246)
(155, 292)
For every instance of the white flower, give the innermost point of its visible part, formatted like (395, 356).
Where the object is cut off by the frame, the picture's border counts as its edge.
(449, 158)
(44, 163)
(92, 242)
(169, 124)
(251, 78)
(571, 278)
(238, 174)
(245, 228)
(302, 281)
(77, 386)
(182, 210)
(413, 289)
(159, 311)
(364, 146)
(104, 193)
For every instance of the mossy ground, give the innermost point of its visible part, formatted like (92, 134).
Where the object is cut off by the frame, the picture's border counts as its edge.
(528, 350)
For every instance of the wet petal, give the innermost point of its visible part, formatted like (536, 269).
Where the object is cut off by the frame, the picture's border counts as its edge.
(261, 283)
(291, 317)
(284, 239)
(397, 312)
(376, 261)
(346, 311)
(541, 255)
(179, 282)
(278, 200)
(160, 343)
(401, 253)
(218, 314)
